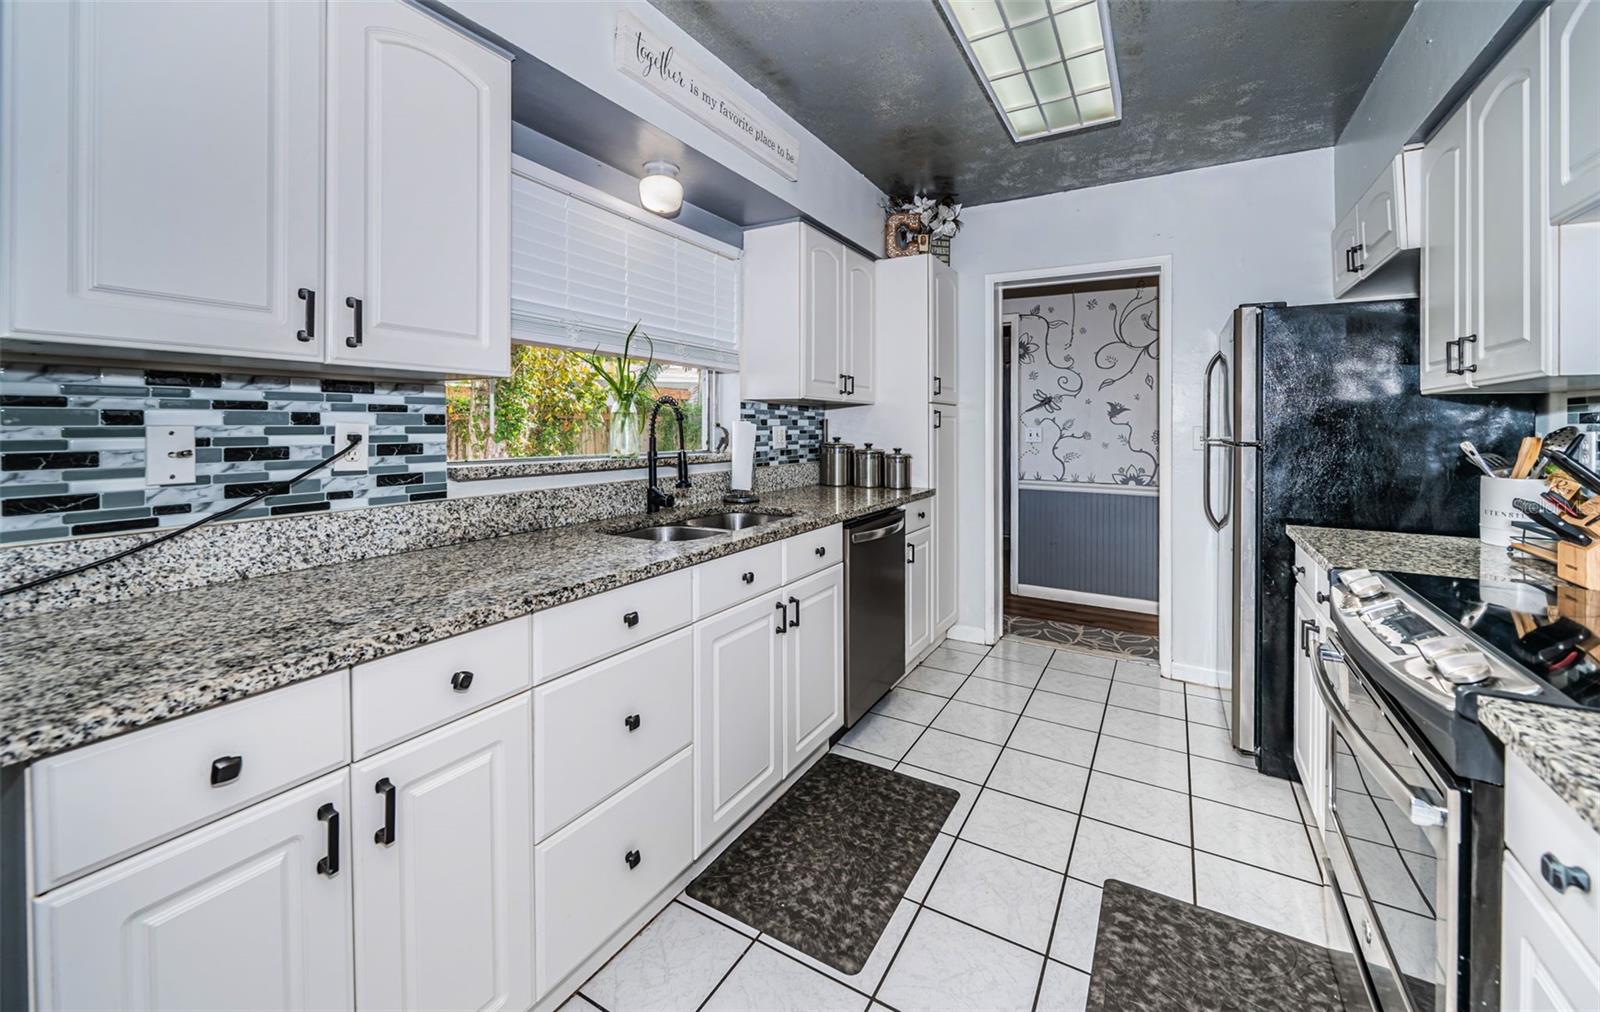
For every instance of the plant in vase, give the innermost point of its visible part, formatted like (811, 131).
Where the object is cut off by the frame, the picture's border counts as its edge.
(940, 218)
(631, 383)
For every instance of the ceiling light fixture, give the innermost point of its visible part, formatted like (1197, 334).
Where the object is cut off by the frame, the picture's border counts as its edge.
(660, 191)
(1047, 65)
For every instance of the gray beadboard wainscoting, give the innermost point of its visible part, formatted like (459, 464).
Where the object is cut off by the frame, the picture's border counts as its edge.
(1094, 542)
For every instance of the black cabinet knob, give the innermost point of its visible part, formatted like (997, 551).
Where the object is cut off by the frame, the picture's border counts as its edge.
(461, 681)
(631, 721)
(748, 578)
(1562, 877)
(631, 619)
(632, 857)
(1299, 570)
(821, 551)
(225, 770)
(1322, 598)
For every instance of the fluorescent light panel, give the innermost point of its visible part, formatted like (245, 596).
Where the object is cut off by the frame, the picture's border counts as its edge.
(1047, 65)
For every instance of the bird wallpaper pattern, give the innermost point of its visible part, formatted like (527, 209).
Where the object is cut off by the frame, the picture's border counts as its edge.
(1084, 365)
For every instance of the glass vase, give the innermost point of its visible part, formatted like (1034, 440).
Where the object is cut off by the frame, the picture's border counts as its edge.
(625, 431)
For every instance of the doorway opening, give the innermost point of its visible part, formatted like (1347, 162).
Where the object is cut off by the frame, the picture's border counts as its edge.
(1080, 421)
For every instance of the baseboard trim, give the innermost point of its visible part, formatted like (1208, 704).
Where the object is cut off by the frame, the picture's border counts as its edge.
(1197, 674)
(968, 634)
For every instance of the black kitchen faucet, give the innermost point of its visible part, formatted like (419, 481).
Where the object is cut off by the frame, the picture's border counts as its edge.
(655, 499)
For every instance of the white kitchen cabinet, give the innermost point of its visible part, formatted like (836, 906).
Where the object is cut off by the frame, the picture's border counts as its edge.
(443, 860)
(945, 534)
(813, 664)
(165, 176)
(738, 712)
(809, 304)
(250, 912)
(1444, 311)
(419, 193)
(1312, 732)
(942, 331)
(1385, 221)
(1543, 965)
(919, 593)
(1574, 110)
(1346, 244)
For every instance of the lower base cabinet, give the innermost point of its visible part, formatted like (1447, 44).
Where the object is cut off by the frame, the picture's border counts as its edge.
(919, 592)
(442, 855)
(813, 664)
(595, 874)
(1312, 734)
(1543, 965)
(250, 912)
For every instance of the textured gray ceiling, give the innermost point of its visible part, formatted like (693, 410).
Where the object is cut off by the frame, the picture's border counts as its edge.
(1204, 82)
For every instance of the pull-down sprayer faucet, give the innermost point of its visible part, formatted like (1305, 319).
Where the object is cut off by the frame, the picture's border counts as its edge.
(655, 499)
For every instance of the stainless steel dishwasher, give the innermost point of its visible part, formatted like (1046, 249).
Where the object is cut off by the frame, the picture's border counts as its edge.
(874, 609)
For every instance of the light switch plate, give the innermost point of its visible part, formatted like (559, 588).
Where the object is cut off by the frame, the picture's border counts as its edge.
(356, 461)
(169, 455)
(780, 437)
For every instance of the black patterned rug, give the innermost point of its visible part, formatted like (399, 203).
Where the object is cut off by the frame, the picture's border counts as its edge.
(1084, 637)
(1158, 954)
(825, 867)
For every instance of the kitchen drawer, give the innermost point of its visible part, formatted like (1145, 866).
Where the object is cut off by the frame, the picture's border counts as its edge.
(598, 729)
(404, 694)
(1538, 822)
(571, 635)
(919, 514)
(97, 804)
(1312, 578)
(591, 877)
(805, 554)
(734, 579)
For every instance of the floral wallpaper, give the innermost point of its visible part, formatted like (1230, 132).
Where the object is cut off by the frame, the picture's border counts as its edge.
(1084, 368)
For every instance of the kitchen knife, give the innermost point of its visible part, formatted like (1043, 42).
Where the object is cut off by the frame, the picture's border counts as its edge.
(1562, 504)
(1581, 474)
(1544, 518)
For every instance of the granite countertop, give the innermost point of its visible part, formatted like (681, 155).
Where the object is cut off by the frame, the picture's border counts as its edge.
(534, 467)
(71, 677)
(1561, 745)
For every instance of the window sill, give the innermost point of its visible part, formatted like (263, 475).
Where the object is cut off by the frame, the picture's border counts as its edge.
(534, 467)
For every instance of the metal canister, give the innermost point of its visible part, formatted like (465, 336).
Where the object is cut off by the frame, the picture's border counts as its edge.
(834, 464)
(897, 469)
(869, 467)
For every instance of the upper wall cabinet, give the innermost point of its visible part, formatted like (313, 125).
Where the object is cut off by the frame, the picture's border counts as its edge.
(166, 170)
(1575, 110)
(808, 318)
(1384, 222)
(1508, 300)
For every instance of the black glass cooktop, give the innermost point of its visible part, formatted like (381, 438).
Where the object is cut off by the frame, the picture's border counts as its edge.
(1552, 632)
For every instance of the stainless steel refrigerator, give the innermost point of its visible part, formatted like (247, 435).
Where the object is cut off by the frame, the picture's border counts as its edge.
(1313, 416)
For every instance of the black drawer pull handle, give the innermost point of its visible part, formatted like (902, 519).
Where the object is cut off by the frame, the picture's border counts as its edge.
(911, 552)
(851, 381)
(794, 623)
(354, 341)
(1563, 876)
(226, 769)
(748, 578)
(783, 617)
(329, 865)
(385, 835)
(461, 681)
(631, 619)
(631, 721)
(310, 299)
(938, 385)
(821, 551)
(844, 387)
(633, 858)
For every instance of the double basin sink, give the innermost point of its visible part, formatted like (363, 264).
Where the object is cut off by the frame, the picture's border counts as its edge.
(708, 526)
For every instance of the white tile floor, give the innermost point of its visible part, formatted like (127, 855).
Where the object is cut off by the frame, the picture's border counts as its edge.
(1073, 768)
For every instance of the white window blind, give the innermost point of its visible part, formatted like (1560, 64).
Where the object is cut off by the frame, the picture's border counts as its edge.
(582, 274)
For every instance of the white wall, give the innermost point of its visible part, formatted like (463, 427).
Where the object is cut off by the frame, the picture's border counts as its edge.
(576, 39)
(1252, 231)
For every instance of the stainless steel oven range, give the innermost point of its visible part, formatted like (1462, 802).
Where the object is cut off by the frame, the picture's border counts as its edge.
(1414, 814)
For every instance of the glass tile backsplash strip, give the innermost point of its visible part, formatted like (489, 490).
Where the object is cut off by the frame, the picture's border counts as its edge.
(802, 426)
(72, 445)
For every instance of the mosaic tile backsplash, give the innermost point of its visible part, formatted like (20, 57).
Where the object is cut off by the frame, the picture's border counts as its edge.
(802, 425)
(72, 446)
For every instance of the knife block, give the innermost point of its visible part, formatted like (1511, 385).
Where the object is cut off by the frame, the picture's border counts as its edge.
(1579, 564)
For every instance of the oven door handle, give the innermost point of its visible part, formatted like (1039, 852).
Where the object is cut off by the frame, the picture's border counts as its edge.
(1421, 811)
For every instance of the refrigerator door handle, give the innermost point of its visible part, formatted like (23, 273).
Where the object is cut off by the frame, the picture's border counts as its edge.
(1209, 442)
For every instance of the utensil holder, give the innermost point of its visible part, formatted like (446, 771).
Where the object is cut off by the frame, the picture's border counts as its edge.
(1579, 564)
(1496, 514)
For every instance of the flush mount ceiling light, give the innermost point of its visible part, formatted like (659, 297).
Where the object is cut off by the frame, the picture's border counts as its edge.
(1046, 64)
(659, 190)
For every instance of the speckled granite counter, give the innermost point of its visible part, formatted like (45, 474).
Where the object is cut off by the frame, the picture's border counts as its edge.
(75, 676)
(1428, 554)
(537, 467)
(1561, 745)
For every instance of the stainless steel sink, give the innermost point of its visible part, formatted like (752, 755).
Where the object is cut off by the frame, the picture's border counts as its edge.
(670, 532)
(735, 521)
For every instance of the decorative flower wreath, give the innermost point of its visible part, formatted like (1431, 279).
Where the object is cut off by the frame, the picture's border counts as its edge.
(940, 216)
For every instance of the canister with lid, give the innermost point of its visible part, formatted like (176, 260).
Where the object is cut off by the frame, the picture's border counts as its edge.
(834, 464)
(897, 469)
(869, 467)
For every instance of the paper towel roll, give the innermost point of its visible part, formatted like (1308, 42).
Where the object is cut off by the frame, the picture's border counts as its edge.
(743, 477)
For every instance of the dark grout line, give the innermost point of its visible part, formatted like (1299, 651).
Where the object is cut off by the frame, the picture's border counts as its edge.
(770, 947)
(1002, 853)
(725, 975)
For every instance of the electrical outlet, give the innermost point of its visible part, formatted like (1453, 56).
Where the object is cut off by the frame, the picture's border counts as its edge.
(780, 437)
(356, 460)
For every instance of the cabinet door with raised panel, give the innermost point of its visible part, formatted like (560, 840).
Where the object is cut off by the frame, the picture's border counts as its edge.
(813, 664)
(1444, 254)
(1380, 221)
(942, 334)
(738, 741)
(419, 192)
(166, 175)
(1574, 109)
(860, 355)
(919, 588)
(1509, 228)
(943, 442)
(250, 912)
(1543, 965)
(822, 315)
(1346, 243)
(443, 857)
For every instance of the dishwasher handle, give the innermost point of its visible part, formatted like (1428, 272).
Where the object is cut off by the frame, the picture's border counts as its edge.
(876, 533)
